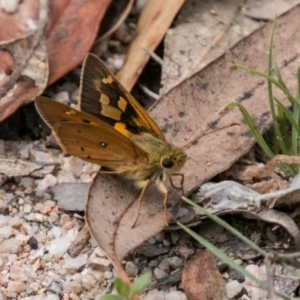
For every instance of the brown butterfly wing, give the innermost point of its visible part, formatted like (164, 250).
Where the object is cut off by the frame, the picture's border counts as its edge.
(86, 137)
(103, 96)
(86, 143)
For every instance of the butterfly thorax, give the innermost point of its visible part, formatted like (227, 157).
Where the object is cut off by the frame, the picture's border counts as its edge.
(160, 162)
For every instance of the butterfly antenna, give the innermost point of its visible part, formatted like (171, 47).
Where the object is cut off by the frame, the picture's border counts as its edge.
(193, 142)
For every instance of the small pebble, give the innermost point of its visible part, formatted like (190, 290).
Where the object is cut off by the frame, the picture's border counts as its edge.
(9, 6)
(20, 193)
(88, 281)
(155, 295)
(185, 252)
(24, 152)
(152, 241)
(166, 243)
(21, 201)
(159, 274)
(2, 142)
(75, 95)
(49, 180)
(160, 236)
(27, 182)
(99, 263)
(16, 287)
(62, 97)
(50, 203)
(66, 178)
(175, 295)
(12, 258)
(74, 264)
(58, 247)
(233, 288)
(10, 245)
(108, 275)
(73, 165)
(131, 269)
(39, 207)
(28, 190)
(27, 208)
(55, 286)
(174, 237)
(18, 274)
(3, 179)
(5, 232)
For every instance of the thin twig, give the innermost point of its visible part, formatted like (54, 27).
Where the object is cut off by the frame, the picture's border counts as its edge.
(118, 24)
(153, 55)
(148, 92)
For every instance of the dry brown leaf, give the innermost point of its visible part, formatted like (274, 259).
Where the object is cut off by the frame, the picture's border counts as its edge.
(17, 167)
(153, 23)
(266, 10)
(72, 29)
(268, 185)
(229, 197)
(25, 67)
(110, 212)
(277, 217)
(73, 35)
(201, 279)
(19, 23)
(190, 109)
(186, 112)
(269, 181)
(204, 30)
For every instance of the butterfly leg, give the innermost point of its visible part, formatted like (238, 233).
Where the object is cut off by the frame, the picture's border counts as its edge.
(107, 172)
(143, 185)
(181, 182)
(164, 190)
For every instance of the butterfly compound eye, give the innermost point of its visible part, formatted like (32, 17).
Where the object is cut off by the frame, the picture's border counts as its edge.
(167, 163)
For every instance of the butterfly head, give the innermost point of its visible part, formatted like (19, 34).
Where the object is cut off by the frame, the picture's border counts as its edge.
(172, 160)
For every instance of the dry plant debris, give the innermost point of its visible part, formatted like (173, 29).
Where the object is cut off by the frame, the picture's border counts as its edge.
(204, 30)
(154, 21)
(191, 108)
(27, 45)
(38, 245)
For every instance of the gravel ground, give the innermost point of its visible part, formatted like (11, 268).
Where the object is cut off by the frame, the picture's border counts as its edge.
(35, 235)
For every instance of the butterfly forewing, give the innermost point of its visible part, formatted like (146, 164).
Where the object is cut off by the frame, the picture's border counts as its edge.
(86, 142)
(102, 96)
(87, 137)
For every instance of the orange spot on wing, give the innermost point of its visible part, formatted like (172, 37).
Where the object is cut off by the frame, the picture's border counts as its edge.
(121, 127)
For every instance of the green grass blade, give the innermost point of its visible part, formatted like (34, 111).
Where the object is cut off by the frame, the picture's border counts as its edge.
(278, 135)
(296, 117)
(140, 284)
(226, 226)
(259, 138)
(218, 253)
(270, 79)
(290, 117)
(282, 86)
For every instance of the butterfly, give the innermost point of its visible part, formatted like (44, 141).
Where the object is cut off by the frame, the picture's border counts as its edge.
(112, 129)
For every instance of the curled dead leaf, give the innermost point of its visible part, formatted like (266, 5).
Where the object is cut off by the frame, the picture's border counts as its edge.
(111, 209)
(201, 279)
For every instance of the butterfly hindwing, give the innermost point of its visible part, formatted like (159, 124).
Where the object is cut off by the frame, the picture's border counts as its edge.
(103, 97)
(86, 137)
(85, 142)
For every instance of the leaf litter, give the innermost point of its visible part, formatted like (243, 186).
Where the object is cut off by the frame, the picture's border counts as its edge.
(29, 43)
(179, 113)
(217, 79)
